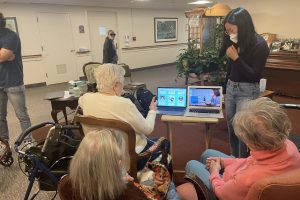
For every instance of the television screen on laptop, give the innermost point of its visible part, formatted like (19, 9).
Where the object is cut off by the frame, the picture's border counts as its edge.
(205, 97)
(171, 97)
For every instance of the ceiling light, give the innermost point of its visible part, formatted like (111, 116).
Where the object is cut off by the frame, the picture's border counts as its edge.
(139, 1)
(200, 2)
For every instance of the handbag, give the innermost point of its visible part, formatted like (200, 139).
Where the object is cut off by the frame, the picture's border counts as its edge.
(154, 181)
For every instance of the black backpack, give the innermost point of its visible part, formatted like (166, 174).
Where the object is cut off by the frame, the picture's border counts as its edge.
(144, 96)
(136, 103)
(142, 100)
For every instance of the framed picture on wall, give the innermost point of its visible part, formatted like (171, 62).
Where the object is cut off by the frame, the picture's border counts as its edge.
(11, 23)
(165, 29)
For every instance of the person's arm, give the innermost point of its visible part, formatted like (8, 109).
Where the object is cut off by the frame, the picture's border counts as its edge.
(260, 55)
(138, 122)
(232, 189)
(105, 51)
(6, 55)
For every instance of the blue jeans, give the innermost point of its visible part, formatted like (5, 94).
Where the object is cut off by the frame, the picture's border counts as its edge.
(199, 169)
(16, 96)
(236, 93)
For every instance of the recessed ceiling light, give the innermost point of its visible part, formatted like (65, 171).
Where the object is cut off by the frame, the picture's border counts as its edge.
(200, 2)
(139, 1)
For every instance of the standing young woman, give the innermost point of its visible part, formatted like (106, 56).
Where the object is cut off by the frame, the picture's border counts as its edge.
(247, 52)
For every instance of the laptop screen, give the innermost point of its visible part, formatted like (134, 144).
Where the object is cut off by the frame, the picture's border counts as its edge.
(171, 97)
(205, 96)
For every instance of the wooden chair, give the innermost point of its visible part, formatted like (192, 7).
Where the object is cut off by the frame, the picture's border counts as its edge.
(88, 71)
(98, 123)
(283, 186)
(132, 86)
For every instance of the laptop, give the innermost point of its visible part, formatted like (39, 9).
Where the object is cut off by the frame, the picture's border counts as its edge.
(171, 100)
(204, 101)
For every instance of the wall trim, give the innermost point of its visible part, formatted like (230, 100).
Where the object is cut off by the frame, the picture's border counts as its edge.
(152, 67)
(36, 85)
(153, 46)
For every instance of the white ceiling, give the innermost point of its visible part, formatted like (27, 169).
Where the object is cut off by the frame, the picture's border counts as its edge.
(152, 4)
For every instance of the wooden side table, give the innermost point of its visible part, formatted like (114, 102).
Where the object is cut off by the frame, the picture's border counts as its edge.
(59, 104)
(168, 119)
(267, 93)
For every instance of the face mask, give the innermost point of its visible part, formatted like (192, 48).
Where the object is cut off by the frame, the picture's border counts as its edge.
(234, 38)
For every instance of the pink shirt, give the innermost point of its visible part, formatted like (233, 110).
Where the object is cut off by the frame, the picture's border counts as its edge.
(241, 173)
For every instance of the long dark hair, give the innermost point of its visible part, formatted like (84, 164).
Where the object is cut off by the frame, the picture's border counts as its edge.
(246, 31)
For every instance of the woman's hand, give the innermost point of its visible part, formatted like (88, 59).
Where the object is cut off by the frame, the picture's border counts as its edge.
(127, 178)
(232, 53)
(215, 159)
(153, 104)
(215, 166)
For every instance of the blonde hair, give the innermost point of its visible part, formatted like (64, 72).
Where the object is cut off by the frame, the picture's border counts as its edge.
(107, 75)
(262, 124)
(95, 170)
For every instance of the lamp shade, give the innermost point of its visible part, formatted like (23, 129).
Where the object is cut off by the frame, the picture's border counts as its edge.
(218, 10)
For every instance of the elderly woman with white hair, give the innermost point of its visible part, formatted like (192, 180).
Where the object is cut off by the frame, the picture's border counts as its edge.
(264, 127)
(107, 103)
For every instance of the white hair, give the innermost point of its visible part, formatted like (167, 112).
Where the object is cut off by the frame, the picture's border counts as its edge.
(107, 75)
(262, 124)
(95, 170)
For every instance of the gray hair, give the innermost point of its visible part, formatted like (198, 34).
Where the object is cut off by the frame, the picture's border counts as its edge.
(262, 124)
(95, 170)
(107, 75)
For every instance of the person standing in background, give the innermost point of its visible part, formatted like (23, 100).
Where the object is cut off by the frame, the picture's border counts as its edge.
(109, 48)
(11, 80)
(247, 52)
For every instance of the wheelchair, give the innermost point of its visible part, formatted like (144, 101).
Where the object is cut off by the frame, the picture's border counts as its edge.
(48, 160)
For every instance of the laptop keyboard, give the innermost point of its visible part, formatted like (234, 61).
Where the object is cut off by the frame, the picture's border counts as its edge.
(194, 110)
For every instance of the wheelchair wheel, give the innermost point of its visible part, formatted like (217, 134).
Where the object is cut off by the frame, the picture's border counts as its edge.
(7, 160)
(24, 162)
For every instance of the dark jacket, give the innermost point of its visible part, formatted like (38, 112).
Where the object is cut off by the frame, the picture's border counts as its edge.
(109, 51)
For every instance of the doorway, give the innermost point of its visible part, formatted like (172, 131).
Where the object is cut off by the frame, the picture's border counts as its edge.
(57, 47)
(99, 23)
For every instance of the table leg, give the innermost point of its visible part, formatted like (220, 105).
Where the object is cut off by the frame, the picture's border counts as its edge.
(54, 115)
(65, 115)
(169, 137)
(207, 136)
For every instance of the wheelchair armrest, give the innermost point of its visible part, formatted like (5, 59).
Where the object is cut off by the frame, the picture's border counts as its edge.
(202, 191)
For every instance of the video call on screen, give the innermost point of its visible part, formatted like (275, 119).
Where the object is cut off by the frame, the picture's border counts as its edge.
(171, 97)
(204, 97)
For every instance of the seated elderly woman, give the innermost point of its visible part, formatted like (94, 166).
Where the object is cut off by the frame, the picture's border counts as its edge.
(94, 176)
(264, 127)
(107, 103)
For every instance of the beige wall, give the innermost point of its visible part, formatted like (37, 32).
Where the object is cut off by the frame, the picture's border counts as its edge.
(132, 22)
(269, 16)
(273, 16)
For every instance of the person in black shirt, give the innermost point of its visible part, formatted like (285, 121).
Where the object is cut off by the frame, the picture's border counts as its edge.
(247, 52)
(109, 49)
(11, 80)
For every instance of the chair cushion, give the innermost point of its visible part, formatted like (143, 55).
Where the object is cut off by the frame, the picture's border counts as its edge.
(283, 186)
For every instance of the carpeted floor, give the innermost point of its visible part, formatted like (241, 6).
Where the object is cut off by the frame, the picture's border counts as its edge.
(187, 141)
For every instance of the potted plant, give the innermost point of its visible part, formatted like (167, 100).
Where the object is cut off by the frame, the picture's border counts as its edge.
(204, 64)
